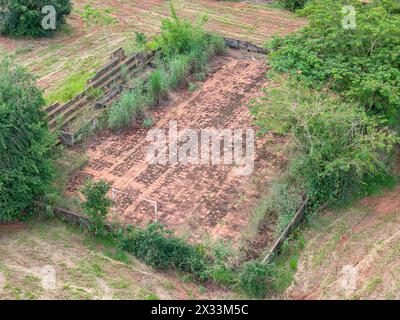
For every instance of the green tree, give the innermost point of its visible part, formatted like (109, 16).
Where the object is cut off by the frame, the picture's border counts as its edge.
(336, 147)
(24, 18)
(361, 61)
(97, 204)
(26, 167)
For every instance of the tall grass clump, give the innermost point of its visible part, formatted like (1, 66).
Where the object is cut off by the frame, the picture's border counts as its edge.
(178, 69)
(125, 112)
(256, 279)
(185, 48)
(198, 60)
(157, 86)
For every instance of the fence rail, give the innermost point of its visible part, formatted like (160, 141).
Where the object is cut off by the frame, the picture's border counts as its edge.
(296, 220)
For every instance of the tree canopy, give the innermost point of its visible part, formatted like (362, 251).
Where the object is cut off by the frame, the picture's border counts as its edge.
(26, 168)
(24, 18)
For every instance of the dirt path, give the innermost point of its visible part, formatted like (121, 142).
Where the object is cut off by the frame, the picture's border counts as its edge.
(196, 200)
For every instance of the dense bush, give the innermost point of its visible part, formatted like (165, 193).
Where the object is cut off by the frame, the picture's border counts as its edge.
(256, 279)
(293, 5)
(361, 63)
(97, 204)
(158, 248)
(336, 147)
(24, 18)
(157, 86)
(285, 198)
(26, 167)
(128, 109)
(178, 69)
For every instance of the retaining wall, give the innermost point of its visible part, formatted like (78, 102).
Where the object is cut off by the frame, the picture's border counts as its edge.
(244, 45)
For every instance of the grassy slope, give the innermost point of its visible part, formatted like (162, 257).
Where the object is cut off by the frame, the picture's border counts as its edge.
(85, 268)
(352, 253)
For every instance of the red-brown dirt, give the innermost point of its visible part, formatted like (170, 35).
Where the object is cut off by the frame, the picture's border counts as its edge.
(195, 200)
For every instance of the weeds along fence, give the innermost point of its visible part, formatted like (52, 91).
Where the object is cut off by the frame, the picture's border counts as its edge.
(244, 45)
(102, 89)
(296, 220)
(76, 219)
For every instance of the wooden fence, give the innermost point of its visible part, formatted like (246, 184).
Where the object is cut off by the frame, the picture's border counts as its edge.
(298, 217)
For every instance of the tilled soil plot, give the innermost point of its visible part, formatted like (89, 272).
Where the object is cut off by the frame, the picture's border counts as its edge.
(195, 200)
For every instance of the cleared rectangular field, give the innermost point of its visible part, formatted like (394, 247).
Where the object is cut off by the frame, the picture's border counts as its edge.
(198, 201)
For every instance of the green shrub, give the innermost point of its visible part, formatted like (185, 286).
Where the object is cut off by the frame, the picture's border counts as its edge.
(217, 46)
(158, 248)
(198, 61)
(361, 63)
(140, 39)
(200, 76)
(180, 36)
(256, 279)
(69, 88)
(178, 69)
(157, 86)
(223, 275)
(93, 16)
(97, 204)
(24, 18)
(293, 5)
(336, 147)
(285, 199)
(221, 270)
(148, 123)
(126, 111)
(26, 164)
